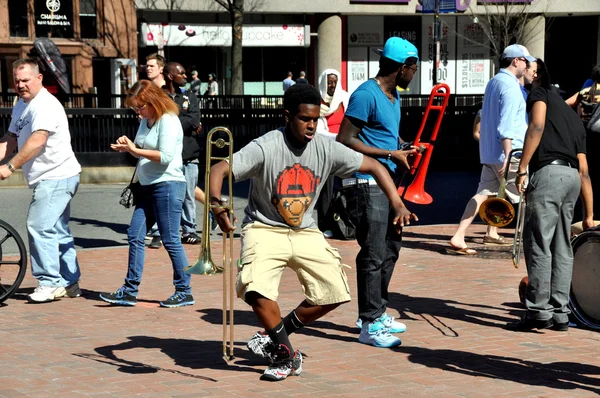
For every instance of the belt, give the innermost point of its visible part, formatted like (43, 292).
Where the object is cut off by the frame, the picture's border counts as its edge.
(560, 162)
(347, 182)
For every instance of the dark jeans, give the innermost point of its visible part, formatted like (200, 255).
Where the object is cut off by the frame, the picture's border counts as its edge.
(160, 203)
(369, 210)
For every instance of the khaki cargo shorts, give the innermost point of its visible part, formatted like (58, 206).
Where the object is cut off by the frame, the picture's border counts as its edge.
(489, 182)
(267, 251)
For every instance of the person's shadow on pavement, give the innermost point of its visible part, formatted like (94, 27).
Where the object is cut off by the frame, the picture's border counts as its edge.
(192, 354)
(555, 375)
(431, 310)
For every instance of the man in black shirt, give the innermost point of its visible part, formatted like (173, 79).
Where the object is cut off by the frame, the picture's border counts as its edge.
(555, 152)
(189, 116)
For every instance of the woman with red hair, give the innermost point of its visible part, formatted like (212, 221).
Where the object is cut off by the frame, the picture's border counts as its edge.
(158, 145)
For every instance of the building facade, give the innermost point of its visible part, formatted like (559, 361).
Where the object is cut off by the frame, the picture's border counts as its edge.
(284, 35)
(97, 38)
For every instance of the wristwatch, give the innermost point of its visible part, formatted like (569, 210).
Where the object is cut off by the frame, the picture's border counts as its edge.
(10, 167)
(389, 156)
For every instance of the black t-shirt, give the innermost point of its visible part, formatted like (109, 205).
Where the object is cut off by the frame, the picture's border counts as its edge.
(564, 133)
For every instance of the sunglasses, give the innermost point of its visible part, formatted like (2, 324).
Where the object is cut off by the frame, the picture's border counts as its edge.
(138, 109)
(414, 68)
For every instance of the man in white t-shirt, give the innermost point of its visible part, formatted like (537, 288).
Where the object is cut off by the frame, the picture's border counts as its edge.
(40, 129)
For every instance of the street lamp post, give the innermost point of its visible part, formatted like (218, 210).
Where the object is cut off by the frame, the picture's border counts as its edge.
(437, 31)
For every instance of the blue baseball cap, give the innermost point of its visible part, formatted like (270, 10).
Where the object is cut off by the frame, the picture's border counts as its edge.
(517, 51)
(398, 50)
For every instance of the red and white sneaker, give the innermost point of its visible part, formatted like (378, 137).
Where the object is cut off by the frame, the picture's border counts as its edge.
(284, 365)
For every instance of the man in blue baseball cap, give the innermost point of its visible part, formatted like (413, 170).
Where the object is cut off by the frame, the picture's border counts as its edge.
(371, 126)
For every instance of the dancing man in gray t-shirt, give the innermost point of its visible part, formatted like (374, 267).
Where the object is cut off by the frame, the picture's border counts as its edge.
(288, 168)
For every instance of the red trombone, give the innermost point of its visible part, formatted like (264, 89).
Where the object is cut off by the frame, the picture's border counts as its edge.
(415, 192)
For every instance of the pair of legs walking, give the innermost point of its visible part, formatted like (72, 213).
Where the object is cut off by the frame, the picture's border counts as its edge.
(160, 203)
(489, 185)
(52, 249)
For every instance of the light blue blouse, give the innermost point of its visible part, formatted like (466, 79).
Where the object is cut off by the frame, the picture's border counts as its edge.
(165, 136)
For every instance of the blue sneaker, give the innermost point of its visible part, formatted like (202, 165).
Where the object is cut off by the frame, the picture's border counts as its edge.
(376, 334)
(178, 299)
(389, 322)
(119, 297)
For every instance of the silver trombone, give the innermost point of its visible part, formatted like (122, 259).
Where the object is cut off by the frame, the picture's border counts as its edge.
(517, 244)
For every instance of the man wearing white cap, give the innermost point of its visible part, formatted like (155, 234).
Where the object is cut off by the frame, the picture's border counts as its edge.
(371, 126)
(503, 128)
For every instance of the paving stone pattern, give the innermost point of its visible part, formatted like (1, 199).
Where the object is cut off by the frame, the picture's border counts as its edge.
(456, 345)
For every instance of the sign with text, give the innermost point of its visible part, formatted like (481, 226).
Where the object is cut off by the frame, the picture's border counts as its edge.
(365, 31)
(358, 67)
(53, 18)
(446, 71)
(220, 35)
(472, 58)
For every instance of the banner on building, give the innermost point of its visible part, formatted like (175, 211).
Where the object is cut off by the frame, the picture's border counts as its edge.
(446, 71)
(405, 2)
(472, 58)
(53, 18)
(220, 35)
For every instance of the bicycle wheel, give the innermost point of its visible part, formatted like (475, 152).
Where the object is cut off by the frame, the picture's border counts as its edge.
(12, 266)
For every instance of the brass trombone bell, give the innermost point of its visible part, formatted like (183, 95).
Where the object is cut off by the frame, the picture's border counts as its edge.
(497, 212)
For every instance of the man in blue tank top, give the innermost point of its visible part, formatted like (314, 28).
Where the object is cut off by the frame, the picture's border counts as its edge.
(371, 126)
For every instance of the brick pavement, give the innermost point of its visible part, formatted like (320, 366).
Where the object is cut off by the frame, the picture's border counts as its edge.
(455, 309)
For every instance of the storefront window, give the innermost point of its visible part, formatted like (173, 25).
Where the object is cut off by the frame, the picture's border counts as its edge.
(17, 18)
(53, 18)
(88, 19)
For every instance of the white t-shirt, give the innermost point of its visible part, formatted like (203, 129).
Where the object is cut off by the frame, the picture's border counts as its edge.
(56, 160)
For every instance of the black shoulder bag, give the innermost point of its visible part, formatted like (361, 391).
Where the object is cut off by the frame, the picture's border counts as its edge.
(132, 192)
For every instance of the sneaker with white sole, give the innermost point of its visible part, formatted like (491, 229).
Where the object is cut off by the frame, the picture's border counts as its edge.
(119, 297)
(392, 324)
(261, 345)
(284, 365)
(178, 299)
(73, 290)
(389, 322)
(44, 294)
(376, 334)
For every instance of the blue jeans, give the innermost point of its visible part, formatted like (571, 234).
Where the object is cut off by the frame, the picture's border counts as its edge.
(160, 203)
(188, 214)
(51, 246)
(369, 209)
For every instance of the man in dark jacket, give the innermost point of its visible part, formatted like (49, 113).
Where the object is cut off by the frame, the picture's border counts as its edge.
(189, 116)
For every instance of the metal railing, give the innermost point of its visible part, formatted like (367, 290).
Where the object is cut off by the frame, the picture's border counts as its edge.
(248, 117)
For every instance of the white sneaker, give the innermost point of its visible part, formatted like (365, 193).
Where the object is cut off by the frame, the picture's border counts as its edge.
(392, 324)
(376, 334)
(73, 290)
(43, 294)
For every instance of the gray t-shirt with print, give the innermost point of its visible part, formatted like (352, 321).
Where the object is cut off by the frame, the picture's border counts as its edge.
(286, 181)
